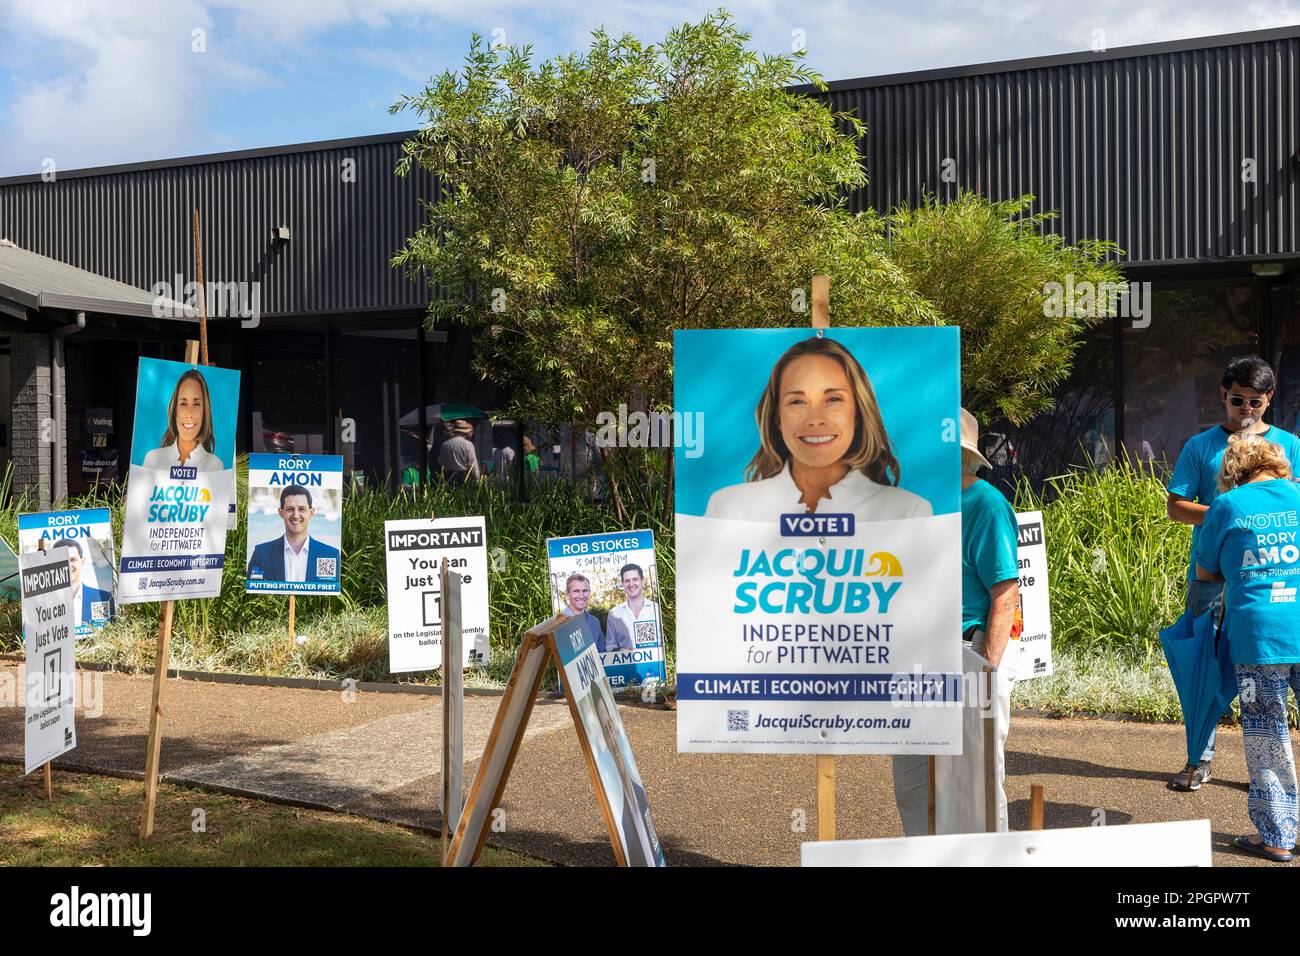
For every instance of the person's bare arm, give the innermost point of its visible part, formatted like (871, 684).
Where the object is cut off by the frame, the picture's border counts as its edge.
(1004, 598)
(1204, 575)
(1185, 510)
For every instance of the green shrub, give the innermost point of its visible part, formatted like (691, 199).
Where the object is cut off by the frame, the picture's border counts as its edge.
(1115, 560)
(235, 631)
(1115, 563)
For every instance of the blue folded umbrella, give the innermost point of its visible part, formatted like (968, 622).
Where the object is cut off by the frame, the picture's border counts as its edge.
(1202, 671)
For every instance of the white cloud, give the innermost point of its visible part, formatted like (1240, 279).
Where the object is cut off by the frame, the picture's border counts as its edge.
(118, 81)
(127, 82)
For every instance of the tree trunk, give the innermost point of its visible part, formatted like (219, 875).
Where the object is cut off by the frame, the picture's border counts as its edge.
(670, 466)
(619, 511)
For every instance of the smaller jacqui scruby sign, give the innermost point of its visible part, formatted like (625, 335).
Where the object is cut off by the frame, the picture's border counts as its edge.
(49, 640)
(181, 482)
(1035, 644)
(295, 524)
(612, 582)
(85, 537)
(413, 552)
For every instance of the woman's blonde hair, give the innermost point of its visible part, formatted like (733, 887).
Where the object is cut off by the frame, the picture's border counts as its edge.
(869, 452)
(206, 435)
(1246, 458)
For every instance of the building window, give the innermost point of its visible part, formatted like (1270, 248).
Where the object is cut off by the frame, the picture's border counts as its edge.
(1284, 302)
(1173, 367)
(288, 388)
(1077, 430)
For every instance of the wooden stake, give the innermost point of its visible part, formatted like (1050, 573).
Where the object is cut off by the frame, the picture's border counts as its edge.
(932, 810)
(991, 755)
(825, 797)
(291, 611)
(1036, 806)
(203, 302)
(821, 319)
(49, 783)
(453, 710)
(821, 302)
(196, 353)
(155, 720)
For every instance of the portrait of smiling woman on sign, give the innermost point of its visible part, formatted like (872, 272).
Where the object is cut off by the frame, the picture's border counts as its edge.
(190, 436)
(822, 445)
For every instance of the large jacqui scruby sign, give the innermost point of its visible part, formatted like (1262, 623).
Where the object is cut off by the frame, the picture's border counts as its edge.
(611, 581)
(818, 576)
(295, 524)
(181, 482)
(414, 551)
(50, 642)
(86, 538)
(1034, 658)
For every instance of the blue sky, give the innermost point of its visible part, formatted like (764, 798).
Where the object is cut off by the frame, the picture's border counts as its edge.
(97, 82)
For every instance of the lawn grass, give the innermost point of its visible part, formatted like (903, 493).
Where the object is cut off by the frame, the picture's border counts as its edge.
(1084, 683)
(94, 821)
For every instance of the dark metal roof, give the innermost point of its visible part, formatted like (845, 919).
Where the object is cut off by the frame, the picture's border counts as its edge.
(1064, 59)
(234, 155)
(346, 211)
(31, 281)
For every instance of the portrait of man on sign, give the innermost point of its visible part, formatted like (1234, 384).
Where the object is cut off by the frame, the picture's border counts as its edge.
(89, 604)
(295, 555)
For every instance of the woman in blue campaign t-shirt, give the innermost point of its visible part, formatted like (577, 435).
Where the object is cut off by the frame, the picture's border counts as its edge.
(1196, 472)
(1251, 541)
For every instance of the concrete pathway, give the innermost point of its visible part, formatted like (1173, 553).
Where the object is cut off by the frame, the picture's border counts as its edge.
(377, 754)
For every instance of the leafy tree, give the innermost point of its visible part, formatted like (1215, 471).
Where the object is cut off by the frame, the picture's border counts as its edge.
(591, 205)
(984, 266)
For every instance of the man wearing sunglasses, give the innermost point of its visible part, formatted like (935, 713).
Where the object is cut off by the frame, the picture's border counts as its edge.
(1246, 391)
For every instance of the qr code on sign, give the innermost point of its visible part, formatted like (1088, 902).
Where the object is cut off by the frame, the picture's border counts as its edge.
(646, 633)
(327, 567)
(99, 610)
(738, 721)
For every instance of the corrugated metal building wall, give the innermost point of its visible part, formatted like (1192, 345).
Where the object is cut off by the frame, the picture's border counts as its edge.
(347, 212)
(1143, 146)
(1146, 150)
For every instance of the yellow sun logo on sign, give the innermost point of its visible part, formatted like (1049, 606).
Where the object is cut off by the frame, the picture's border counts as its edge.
(205, 497)
(885, 565)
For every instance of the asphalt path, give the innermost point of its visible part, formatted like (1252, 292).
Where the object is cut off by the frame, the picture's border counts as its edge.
(377, 754)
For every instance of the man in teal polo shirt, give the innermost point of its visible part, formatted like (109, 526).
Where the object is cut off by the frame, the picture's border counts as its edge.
(990, 596)
(1246, 391)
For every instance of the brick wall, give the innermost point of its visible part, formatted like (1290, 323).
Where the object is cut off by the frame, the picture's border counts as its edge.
(34, 422)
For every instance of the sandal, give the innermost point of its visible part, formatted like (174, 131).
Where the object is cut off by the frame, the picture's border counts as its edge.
(1244, 842)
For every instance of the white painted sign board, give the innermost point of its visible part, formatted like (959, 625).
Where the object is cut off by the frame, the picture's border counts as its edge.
(1180, 843)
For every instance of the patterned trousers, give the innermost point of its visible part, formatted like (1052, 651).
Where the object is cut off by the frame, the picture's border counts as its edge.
(1272, 803)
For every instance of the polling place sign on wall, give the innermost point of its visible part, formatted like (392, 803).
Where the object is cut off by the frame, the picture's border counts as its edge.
(818, 576)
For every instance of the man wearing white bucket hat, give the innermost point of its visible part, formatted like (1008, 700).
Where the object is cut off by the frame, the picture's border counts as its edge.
(457, 456)
(990, 597)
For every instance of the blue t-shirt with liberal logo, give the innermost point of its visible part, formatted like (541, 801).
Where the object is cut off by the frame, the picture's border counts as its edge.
(1196, 473)
(988, 550)
(1251, 536)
